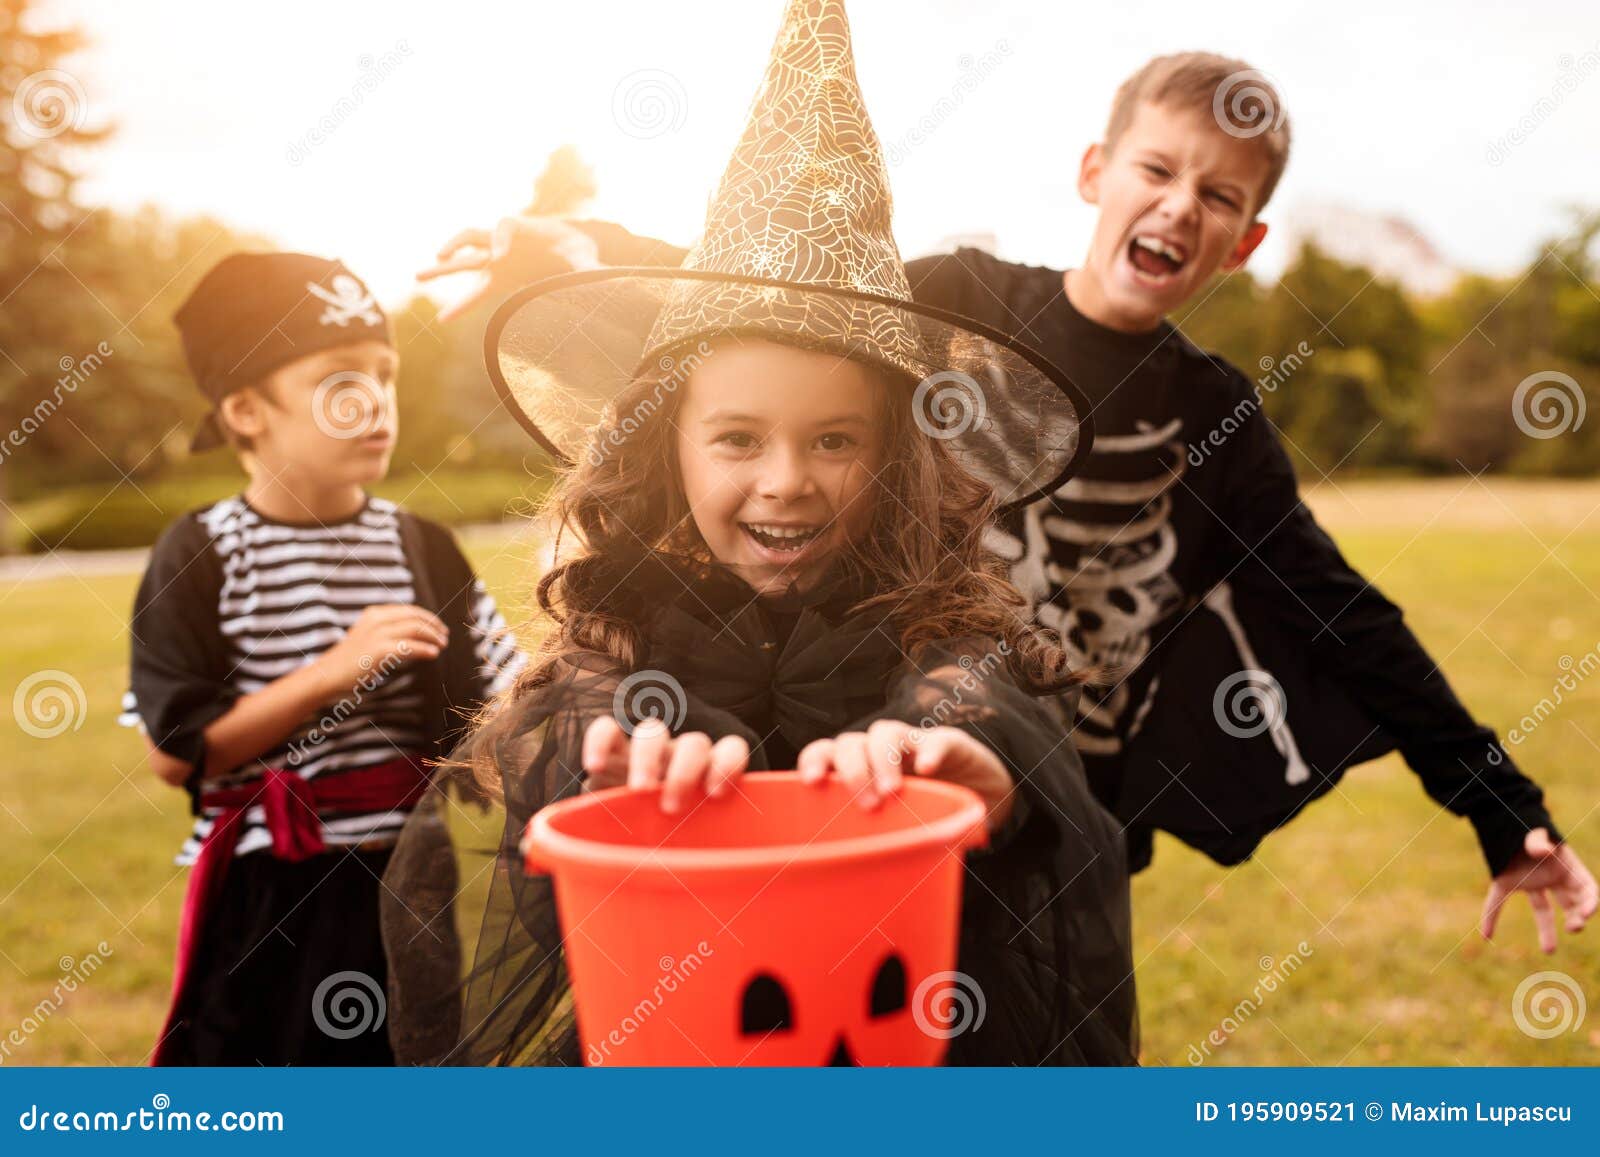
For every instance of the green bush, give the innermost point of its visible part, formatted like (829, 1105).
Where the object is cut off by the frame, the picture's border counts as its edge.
(93, 518)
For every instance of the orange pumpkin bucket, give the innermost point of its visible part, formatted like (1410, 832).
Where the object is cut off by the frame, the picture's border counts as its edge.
(782, 924)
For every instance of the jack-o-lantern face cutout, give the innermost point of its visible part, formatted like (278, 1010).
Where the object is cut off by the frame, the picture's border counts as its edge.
(888, 988)
(765, 1007)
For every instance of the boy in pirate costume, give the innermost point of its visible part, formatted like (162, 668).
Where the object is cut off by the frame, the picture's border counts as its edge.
(1253, 664)
(299, 650)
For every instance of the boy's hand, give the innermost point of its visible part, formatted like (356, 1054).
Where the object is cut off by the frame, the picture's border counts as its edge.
(681, 764)
(1541, 869)
(384, 638)
(871, 763)
(519, 250)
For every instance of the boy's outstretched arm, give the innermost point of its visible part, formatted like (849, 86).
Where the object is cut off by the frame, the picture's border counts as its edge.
(1362, 637)
(521, 250)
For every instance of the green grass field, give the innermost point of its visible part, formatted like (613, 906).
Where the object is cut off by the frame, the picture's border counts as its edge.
(1501, 580)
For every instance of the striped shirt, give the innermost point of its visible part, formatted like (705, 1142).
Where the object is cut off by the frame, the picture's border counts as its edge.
(234, 600)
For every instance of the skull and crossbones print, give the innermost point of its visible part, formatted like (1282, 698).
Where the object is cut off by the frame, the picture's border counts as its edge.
(348, 301)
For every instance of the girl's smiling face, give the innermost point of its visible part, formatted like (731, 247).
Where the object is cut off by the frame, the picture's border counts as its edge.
(777, 451)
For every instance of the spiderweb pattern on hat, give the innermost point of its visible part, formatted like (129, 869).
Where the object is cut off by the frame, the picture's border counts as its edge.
(797, 247)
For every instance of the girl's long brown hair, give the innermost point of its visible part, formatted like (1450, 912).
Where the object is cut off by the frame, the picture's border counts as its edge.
(923, 555)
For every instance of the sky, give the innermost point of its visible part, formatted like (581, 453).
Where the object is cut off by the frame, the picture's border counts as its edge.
(1475, 121)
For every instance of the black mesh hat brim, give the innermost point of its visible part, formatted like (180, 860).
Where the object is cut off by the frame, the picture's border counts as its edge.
(561, 350)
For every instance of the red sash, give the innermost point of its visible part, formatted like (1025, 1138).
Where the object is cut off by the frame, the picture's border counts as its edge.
(291, 803)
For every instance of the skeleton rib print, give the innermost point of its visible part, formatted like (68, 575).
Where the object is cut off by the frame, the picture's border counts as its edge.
(1095, 558)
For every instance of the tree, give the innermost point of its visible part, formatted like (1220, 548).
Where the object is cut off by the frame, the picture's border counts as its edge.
(1517, 382)
(45, 123)
(1357, 400)
(565, 187)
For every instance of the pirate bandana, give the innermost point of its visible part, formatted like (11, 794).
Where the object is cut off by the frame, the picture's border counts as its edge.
(255, 312)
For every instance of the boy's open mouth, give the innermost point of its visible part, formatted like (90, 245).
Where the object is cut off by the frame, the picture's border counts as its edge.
(784, 539)
(1156, 257)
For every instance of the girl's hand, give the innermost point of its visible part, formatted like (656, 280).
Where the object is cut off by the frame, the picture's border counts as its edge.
(871, 763)
(680, 764)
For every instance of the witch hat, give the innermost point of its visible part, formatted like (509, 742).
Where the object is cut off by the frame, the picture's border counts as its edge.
(797, 248)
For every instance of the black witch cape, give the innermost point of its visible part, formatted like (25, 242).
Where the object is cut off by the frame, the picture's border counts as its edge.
(1045, 930)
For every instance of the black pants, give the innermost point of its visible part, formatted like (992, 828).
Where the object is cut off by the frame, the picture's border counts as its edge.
(291, 969)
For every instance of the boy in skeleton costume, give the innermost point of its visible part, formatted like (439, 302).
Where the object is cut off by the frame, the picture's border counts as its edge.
(1250, 664)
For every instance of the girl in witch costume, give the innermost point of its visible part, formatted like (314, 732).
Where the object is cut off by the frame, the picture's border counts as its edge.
(772, 529)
